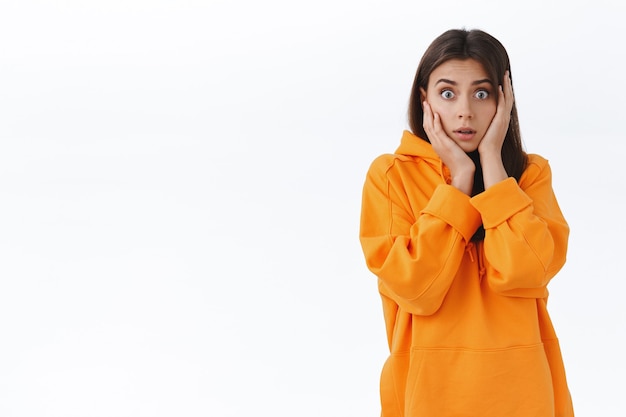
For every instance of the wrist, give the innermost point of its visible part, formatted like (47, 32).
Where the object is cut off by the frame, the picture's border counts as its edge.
(493, 170)
(464, 181)
(488, 154)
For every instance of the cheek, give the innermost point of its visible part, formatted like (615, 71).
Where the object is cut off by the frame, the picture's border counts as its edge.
(488, 114)
(489, 109)
(444, 113)
(438, 105)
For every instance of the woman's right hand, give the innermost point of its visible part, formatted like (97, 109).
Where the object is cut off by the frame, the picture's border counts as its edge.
(461, 166)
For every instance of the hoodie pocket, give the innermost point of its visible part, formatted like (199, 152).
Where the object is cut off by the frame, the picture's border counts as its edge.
(512, 382)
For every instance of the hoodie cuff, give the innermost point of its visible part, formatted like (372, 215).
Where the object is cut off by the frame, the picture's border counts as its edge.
(501, 201)
(453, 207)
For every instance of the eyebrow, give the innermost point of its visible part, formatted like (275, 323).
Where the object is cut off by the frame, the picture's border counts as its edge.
(477, 82)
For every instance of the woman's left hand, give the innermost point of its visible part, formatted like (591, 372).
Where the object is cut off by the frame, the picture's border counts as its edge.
(494, 137)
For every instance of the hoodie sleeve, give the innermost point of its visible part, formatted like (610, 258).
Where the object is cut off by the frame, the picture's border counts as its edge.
(525, 232)
(414, 251)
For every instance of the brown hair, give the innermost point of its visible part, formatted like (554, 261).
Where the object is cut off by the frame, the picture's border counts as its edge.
(489, 52)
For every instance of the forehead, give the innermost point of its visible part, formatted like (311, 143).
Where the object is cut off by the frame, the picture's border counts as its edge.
(459, 71)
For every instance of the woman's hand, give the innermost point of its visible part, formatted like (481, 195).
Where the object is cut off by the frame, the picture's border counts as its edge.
(461, 166)
(494, 137)
(490, 147)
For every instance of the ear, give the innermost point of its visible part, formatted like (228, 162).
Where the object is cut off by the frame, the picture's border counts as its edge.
(422, 95)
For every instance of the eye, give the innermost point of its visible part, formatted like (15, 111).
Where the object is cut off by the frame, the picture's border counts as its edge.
(481, 94)
(447, 94)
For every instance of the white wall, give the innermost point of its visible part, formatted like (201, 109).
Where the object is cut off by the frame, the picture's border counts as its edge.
(180, 191)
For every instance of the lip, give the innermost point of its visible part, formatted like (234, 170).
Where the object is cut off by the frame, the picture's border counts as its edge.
(465, 133)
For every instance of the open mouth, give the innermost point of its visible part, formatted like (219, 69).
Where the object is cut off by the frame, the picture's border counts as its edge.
(465, 134)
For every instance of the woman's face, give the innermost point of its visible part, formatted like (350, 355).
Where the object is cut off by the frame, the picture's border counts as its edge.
(461, 92)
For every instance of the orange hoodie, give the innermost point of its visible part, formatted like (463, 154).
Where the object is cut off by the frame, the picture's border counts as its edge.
(467, 325)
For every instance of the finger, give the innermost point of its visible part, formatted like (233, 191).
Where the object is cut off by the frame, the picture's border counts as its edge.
(437, 123)
(438, 136)
(508, 88)
(505, 98)
(427, 111)
(428, 118)
(503, 111)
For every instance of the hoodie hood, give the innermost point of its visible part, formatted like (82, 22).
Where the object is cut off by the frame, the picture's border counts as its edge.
(414, 146)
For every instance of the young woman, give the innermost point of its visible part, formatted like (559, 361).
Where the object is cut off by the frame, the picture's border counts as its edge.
(463, 230)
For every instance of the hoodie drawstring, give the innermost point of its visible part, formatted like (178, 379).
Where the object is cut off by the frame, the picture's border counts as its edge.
(481, 263)
(470, 250)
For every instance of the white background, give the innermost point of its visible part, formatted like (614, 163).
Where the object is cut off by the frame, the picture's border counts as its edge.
(180, 192)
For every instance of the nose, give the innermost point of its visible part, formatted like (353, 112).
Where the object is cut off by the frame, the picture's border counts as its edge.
(464, 109)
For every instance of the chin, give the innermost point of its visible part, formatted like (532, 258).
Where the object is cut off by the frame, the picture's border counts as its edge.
(468, 147)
